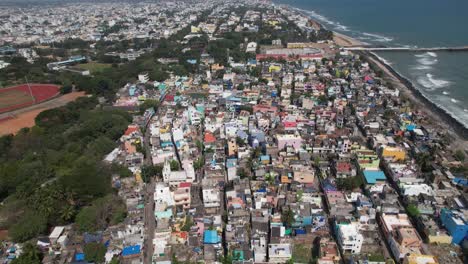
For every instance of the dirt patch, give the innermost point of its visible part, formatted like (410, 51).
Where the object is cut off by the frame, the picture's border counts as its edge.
(11, 122)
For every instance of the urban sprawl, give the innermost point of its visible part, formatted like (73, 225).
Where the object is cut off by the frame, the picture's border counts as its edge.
(262, 141)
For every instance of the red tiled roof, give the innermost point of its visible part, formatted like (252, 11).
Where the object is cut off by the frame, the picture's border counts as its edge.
(131, 129)
(185, 185)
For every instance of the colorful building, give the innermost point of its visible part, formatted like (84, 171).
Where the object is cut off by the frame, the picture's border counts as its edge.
(455, 223)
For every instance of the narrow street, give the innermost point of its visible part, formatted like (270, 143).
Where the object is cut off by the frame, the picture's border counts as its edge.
(149, 203)
(150, 223)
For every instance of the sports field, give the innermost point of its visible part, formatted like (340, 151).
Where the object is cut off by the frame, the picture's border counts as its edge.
(13, 121)
(19, 96)
(94, 67)
(14, 97)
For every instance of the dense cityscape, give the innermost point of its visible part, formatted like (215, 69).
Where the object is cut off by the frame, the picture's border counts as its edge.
(216, 132)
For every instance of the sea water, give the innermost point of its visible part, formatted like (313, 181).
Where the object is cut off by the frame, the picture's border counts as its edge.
(440, 76)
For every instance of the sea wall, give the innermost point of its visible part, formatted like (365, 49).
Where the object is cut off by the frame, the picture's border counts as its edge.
(458, 127)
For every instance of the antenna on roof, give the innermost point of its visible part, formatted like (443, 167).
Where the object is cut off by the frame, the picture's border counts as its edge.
(30, 91)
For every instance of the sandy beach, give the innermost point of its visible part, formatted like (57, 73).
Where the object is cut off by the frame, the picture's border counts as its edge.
(345, 41)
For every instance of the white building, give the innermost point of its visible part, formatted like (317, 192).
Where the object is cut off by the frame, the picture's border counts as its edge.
(211, 198)
(279, 253)
(349, 238)
(162, 195)
(173, 178)
(251, 47)
(417, 189)
(143, 77)
(3, 64)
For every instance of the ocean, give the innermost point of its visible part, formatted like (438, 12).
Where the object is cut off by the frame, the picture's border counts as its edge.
(441, 76)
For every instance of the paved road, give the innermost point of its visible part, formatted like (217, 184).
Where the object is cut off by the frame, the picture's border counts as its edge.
(150, 223)
(149, 204)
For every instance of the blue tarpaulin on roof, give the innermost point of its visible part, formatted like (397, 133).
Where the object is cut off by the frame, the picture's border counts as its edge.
(300, 231)
(132, 250)
(80, 256)
(460, 181)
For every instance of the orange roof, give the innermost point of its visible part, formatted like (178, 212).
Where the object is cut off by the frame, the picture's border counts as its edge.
(209, 138)
(131, 129)
(181, 234)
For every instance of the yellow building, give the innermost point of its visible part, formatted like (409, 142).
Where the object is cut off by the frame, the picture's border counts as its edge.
(418, 258)
(194, 29)
(273, 22)
(440, 239)
(274, 68)
(397, 154)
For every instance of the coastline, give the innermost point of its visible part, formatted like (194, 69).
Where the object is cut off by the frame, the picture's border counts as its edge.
(437, 116)
(440, 118)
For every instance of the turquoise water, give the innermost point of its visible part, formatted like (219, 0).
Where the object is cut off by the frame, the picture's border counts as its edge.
(441, 76)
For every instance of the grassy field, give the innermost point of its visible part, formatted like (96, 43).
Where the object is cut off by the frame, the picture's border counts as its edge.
(13, 97)
(94, 67)
(302, 253)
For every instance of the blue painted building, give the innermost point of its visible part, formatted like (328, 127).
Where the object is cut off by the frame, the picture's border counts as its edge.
(211, 237)
(372, 177)
(455, 223)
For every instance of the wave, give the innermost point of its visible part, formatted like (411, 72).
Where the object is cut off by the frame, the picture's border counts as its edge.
(428, 81)
(426, 54)
(377, 37)
(427, 61)
(336, 25)
(454, 100)
(445, 93)
(421, 67)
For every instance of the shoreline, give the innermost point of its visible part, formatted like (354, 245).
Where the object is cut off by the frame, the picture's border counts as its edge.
(439, 116)
(432, 110)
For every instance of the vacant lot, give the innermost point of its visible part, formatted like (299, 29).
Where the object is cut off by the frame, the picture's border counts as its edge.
(94, 67)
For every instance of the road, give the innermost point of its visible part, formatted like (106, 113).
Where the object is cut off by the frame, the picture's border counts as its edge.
(150, 224)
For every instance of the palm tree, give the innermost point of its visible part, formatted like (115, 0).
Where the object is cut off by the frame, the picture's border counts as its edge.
(67, 213)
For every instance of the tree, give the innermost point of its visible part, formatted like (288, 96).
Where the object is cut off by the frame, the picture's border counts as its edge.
(149, 103)
(95, 252)
(174, 165)
(30, 255)
(240, 141)
(28, 226)
(149, 171)
(459, 155)
(349, 183)
(412, 210)
(109, 210)
(199, 163)
(188, 224)
(287, 217)
(88, 178)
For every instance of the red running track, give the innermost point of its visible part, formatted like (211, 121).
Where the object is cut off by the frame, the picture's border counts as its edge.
(41, 93)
